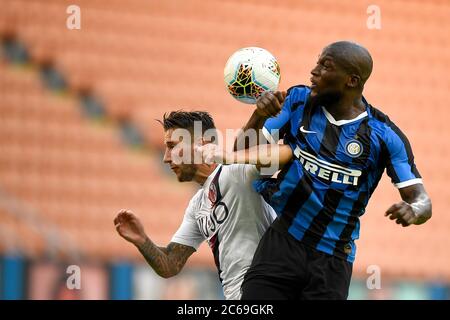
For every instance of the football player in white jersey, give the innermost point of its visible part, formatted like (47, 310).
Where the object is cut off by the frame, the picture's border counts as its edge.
(225, 211)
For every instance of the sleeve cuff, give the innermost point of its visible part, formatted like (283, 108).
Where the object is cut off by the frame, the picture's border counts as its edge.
(408, 183)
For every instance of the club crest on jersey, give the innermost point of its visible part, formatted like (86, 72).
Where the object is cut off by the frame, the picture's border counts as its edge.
(214, 190)
(212, 194)
(354, 148)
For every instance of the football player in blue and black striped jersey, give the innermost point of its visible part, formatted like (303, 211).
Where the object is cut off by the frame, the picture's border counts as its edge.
(336, 148)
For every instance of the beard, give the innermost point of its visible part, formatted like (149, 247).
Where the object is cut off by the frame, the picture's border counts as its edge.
(325, 99)
(187, 173)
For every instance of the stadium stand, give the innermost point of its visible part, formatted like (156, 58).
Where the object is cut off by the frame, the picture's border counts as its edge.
(144, 58)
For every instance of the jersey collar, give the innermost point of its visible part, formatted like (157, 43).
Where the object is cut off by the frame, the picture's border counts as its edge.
(331, 119)
(342, 122)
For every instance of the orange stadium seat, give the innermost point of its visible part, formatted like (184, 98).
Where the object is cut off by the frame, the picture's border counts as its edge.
(55, 160)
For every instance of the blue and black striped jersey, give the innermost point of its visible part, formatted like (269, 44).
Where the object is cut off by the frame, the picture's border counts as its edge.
(321, 194)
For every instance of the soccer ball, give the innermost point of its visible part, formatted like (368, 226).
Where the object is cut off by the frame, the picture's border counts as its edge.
(249, 72)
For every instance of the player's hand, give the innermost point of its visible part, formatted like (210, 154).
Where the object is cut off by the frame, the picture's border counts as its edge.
(269, 103)
(129, 227)
(403, 213)
(211, 153)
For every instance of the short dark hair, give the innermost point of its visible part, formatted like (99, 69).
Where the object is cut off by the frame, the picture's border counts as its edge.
(186, 119)
(353, 57)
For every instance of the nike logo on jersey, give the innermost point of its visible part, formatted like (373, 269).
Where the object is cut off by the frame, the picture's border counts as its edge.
(302, 129)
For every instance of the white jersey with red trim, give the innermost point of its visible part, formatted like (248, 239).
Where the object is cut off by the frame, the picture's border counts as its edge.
(232, 217)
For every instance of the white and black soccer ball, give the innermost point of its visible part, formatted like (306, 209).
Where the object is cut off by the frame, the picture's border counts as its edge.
(249, 72)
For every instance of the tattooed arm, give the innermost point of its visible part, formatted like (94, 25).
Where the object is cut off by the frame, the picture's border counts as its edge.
(166, 261)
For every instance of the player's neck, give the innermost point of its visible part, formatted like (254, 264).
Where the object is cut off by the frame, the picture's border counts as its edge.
(346, 108)
(203, 172)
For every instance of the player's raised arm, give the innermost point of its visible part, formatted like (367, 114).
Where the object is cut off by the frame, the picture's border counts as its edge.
(261, 155)
(415, 207)
(167, 261)
(267, 106)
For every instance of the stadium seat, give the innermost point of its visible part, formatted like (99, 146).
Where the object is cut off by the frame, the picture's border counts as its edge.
(144, 58)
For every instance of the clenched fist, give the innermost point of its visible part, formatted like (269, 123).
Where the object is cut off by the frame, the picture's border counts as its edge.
(130, 228)
(403, 213)
(269, 103)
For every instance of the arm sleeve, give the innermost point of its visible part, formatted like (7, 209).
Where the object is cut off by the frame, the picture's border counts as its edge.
(275, 128)
(245, 173)
(188, 233)
(400, 164)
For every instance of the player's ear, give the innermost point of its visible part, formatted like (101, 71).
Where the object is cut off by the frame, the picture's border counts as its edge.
(354, 81)
(197, 142)
(205, 141)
